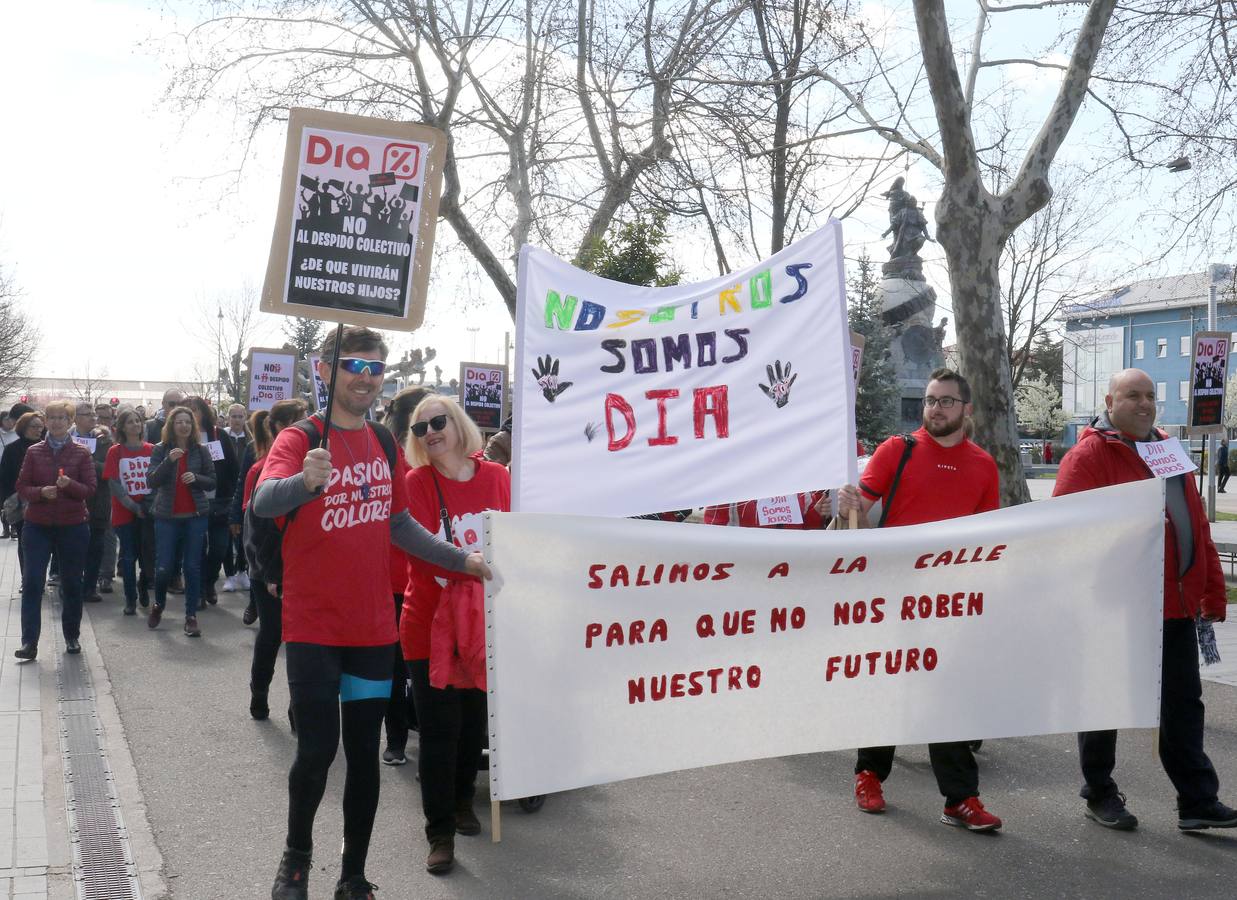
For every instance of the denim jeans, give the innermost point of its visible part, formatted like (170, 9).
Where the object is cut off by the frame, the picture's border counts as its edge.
(137, 543)
(179, 538)
(68, 542)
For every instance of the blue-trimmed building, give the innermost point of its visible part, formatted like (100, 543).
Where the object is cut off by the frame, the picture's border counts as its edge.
(1147, 325)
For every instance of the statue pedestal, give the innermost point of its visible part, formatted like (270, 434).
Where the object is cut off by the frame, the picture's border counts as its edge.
(908, 304)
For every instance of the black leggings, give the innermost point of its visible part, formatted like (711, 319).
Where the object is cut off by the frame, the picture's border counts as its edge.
(453, 728)
(270, 636)
(337, 690)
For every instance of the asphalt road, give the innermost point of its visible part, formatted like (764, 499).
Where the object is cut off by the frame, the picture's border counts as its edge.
(214, 785)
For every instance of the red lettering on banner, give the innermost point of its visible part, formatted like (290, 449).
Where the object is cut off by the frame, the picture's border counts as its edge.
(593, 580)
(959, 557)
(711, 401)
(777, 618)
(646, 575)
(616, 635)
(658, 687)
(663, 439)
(845, 612)
(855, 565)
(613, 402)
(782, 569)
(942, 606)
(887, 662)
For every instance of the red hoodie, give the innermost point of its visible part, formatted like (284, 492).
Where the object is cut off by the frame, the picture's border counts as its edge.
(1101, 458)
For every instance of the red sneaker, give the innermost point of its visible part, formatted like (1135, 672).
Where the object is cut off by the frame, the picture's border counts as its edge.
(970, 814)
(868, 796)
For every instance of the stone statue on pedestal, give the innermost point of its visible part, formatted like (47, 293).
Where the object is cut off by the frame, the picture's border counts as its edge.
(908, 303)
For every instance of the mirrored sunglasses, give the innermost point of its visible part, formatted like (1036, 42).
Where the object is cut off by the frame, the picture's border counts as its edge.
(421, 429)
(355, 366)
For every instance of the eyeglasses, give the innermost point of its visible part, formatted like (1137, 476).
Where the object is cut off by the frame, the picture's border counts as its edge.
(421, 429)
(942, 402)
(355, 366)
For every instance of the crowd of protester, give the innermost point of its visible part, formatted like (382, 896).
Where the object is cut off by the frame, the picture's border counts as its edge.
(394, 642)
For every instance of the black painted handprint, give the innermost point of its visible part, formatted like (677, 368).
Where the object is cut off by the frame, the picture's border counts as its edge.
(780, 381)
(546, 374)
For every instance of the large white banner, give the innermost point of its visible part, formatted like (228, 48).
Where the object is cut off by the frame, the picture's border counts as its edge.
(624, 648)
(635, 400)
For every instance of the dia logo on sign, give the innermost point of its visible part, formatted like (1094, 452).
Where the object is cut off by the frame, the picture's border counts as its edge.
(404, 160)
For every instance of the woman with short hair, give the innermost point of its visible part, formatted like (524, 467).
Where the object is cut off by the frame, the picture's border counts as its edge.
(57, 478)
(181, 472)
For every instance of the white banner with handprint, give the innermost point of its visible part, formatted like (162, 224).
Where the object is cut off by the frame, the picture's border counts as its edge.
(633, 400)
(625, 648)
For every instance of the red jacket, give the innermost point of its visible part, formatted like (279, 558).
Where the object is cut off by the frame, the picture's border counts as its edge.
(41, 468)
(1101, 458)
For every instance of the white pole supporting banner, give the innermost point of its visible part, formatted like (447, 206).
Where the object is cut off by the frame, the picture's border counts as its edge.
(634, 400)
(623, 648)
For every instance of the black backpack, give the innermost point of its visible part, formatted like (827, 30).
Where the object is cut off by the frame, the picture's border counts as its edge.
(264, 537)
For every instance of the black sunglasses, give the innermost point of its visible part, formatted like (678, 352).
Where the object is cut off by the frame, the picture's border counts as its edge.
(421, 429)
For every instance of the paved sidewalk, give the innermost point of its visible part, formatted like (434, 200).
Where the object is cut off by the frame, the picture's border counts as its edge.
(26, 865)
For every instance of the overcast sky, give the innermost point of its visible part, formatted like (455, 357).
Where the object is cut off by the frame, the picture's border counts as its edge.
(120, 221)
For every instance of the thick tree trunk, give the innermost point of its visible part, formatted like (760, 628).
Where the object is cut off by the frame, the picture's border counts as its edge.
(970, 231)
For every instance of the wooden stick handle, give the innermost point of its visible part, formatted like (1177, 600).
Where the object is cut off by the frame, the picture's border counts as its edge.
(496, 821)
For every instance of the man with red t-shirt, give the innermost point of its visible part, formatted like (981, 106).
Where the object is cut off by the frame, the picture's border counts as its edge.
(341, 510)
(945, 476)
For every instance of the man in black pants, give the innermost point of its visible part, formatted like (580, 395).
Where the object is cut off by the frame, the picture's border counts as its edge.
(944, 476)
(337, 623)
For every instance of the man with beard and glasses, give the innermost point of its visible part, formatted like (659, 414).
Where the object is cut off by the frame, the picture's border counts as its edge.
(945, 476)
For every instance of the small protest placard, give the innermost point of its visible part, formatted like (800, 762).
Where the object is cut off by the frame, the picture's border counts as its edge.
(1209, 369)
(215, 448)
(483, 390)
(780, 510)
(1167, 458)
(320, 390)
(272, 377)
(88, 442)
(856, 354)
(133, 475)
(355, 228)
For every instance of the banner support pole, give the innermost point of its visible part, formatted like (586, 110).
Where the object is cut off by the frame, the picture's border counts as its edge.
(496, 822)
(330, 388)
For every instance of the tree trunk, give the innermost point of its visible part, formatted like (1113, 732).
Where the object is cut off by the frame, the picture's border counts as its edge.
(969, 230)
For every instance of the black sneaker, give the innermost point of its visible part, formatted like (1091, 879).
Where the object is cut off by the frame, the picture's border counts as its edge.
(130, 609)
(355, 888)
(1111, 813)
(292, 879)
(72, 647)
(1214, 815)
(393, 757)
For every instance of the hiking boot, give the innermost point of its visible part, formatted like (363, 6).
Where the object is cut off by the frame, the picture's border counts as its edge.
(258, 707)
(393, 757)
(442, 856)
(1111, 813)
(355, 888)
(971, 815)
(191, 627)
(27, 651)
(292, 879)
(250, 615)
(1213, 815)
(868, 794)
(156, 613)
(466, 821)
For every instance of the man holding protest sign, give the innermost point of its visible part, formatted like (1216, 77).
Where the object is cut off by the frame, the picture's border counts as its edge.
(341, 510)
(938, 473)
(1114, 450)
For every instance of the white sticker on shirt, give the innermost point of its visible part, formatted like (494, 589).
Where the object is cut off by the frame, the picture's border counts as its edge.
(88, 442)
(1166, 459)
(781, 510)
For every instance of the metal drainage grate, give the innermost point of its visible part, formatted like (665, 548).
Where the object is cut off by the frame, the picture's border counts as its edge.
(103, 865)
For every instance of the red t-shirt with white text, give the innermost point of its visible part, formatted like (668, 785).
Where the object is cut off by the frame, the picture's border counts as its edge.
(489, 488)
(937, 483)
(111, 471)
(336, 588)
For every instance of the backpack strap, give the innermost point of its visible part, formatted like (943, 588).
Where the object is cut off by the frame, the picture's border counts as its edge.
(908, 444)
(442, 507)
(388, 444)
